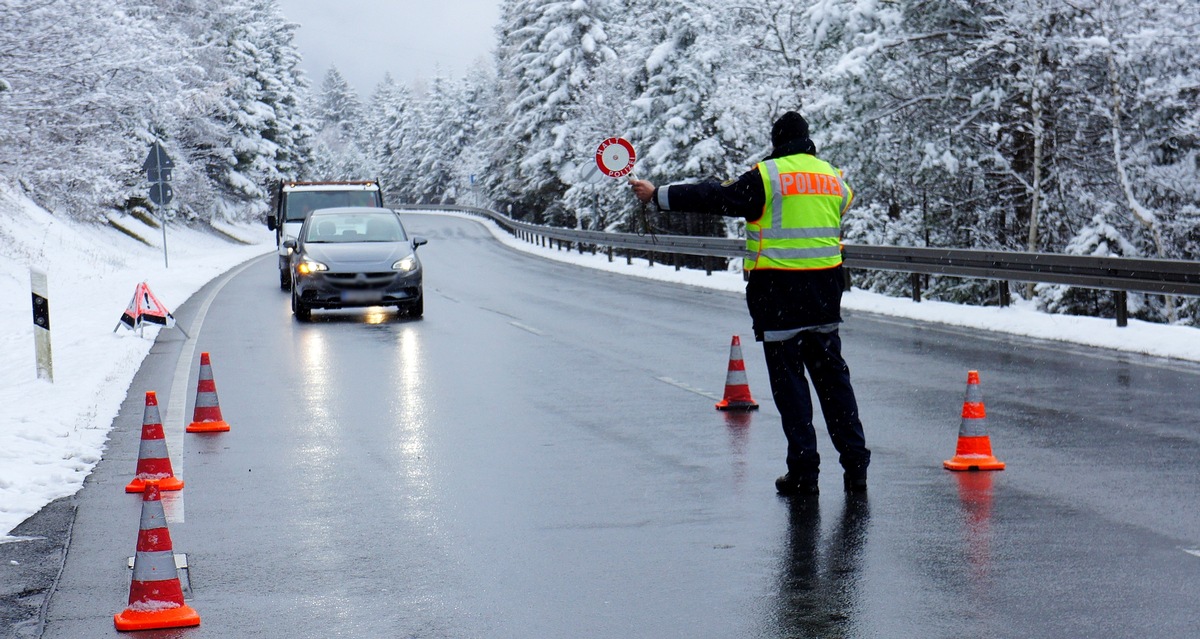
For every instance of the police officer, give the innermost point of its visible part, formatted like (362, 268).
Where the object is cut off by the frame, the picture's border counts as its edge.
(793, 204)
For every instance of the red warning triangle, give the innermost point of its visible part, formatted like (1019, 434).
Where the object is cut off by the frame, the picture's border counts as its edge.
(145, 308)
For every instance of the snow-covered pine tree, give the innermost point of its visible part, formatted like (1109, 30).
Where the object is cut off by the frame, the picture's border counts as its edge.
(340, 139)
(674, 114)
(669, 117)
(82, 82)
(392, 122)
(262, 86)
(550, 56)
(286, 90)
(338, 107)
(1141, 100)
(476, 101)
(441, 141)
(507, 147)
(935, 106)
(598, 201)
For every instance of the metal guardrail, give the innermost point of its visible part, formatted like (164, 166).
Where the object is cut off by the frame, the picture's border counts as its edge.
(1120, 274)
(1165, 277)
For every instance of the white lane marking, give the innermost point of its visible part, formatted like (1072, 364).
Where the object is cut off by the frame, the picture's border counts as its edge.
(1195, 552)
(678, 384)
(177, 404)
(530, 329)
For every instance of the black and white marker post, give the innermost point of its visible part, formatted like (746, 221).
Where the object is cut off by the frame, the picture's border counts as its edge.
(38, 282)
(158, 167)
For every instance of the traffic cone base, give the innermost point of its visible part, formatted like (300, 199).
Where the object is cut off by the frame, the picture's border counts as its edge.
(974, 450)
(206, 416)
(180, 617)
(208, 427)
(973, 462)
(138, 484)
(726, 404)
(737, 387)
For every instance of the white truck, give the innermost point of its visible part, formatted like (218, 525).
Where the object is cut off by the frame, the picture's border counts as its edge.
(291, 202)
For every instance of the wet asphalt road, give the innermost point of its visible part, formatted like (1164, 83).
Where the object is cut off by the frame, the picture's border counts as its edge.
(540, 457)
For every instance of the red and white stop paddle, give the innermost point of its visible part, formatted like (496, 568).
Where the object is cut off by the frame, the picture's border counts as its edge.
(615, 157)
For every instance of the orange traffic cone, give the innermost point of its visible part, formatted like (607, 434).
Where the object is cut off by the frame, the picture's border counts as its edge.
(974, 446)
(737, 389)
(155, 594)
(153, 461)
(206, 416)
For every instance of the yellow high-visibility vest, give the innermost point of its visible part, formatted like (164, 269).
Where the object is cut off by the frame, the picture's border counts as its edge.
(801, 224)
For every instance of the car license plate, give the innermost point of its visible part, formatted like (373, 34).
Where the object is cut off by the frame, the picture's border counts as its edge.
(359, 297)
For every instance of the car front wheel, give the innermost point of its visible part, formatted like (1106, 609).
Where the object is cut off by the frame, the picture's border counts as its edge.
(302, 311)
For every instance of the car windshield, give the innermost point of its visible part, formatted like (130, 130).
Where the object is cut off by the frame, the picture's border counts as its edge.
(355, 227)
(300, 203)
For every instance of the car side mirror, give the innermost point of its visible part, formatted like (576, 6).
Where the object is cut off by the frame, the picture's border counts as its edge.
(418, 241)
(271, 222)
(289, 243)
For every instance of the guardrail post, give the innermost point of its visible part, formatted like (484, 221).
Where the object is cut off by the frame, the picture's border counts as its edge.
(675, 259)
(1122, 308)
(609, 251)
(707, 265)
(629, 258)
(915, 278)
(1005, 294)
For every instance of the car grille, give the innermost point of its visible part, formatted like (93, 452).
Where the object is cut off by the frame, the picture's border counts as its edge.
(360, 281)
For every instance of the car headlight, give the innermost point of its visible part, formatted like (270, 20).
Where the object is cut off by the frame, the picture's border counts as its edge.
(307, 267)
(406, 264)
(286, 238)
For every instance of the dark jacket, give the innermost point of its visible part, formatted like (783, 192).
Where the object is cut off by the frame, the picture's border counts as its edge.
(778, 300)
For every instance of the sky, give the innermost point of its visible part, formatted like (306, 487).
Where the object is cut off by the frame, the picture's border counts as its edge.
(411, 39)
(53, 433)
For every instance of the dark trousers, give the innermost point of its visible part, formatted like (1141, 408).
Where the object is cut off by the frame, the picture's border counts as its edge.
(821, 354)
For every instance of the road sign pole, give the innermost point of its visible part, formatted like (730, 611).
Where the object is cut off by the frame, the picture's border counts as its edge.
(163, 217)
(158, 166)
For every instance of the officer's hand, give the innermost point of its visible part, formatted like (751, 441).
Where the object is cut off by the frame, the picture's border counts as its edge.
(642, 189)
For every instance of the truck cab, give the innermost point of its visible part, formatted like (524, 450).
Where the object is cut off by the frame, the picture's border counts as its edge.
(291, 202)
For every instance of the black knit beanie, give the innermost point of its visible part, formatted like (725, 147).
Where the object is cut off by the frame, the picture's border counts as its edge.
(790, 127)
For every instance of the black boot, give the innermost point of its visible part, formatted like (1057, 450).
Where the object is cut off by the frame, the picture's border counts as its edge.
(785, 485)
(855, 483)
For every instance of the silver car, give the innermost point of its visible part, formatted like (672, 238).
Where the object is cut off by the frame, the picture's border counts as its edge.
(354, 257)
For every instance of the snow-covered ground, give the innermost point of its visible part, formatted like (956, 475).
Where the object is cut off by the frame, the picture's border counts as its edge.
(53, 433)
